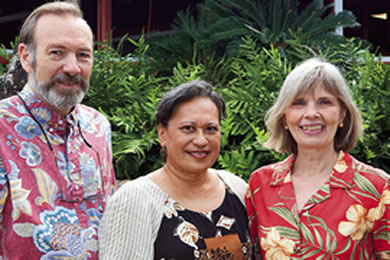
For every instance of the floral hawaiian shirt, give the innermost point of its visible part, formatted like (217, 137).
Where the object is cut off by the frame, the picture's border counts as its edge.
(53, 184)
(348, 217)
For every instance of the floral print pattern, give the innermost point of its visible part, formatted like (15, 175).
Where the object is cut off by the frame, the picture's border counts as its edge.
(61, 235)
(359, 222)
(31, 153)
(27, 128)
(44, 194)
(347, 218)
(220, 234)
(277, 247)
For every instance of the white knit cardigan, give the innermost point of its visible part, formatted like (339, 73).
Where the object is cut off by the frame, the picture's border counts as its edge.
(133, 215)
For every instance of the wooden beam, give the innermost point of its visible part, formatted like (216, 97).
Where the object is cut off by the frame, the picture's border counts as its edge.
(104, 17)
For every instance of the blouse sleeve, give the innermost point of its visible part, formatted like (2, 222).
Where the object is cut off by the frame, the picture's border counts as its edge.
(382, 227)
(251, 208)
(126, 230)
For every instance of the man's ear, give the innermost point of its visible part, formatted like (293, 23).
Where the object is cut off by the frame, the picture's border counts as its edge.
(25, 58)
(161, 131)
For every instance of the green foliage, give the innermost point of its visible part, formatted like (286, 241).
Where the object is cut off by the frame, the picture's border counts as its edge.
(6, 55)
(219, 26)
(258, 75)
(126, 91)
(371, 89)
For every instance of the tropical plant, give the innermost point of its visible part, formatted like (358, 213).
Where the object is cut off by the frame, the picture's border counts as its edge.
(220, 25)
(6, 54)
(126, 91)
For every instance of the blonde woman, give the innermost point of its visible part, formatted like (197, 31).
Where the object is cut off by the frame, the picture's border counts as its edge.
(320, 202)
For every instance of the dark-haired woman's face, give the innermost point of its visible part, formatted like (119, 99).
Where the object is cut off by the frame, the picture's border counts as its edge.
(192, 136)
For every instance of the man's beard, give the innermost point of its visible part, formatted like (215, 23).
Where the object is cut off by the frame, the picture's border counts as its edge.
(61, 98)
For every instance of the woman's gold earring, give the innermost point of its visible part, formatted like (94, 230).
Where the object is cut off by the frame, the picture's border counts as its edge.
(286, 127)
(341, 125)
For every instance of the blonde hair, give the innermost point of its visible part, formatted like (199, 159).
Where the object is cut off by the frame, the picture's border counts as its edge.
(307, 76)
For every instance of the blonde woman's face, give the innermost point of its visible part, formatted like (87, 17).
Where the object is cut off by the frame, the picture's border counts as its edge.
(313, 119)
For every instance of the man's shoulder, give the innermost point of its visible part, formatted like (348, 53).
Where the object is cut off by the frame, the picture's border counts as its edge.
(84, 108)
(9, 109)
(90, 113)
(6, 102)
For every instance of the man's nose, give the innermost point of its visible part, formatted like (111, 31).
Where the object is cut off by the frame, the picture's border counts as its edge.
(71, 65)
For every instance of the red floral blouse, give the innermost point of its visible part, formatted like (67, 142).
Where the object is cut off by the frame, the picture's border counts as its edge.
(348, 217)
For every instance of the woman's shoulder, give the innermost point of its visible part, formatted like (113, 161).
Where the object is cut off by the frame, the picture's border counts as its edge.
(277, 170)
(135, 185)
(235, 183)
(229, 177)
(367, 171)
(138, 191)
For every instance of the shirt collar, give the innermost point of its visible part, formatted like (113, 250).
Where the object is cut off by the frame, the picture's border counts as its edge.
(341, 176)
(46, 116)
(282, 171)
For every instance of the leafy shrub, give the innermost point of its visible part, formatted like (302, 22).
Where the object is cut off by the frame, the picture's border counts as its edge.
(6, 54)
(127, 90)
(215, 29)
(371, 90)
(123, 88)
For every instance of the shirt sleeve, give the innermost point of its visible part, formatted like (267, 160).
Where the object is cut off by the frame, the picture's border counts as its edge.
(382, 227)
(3, 195)
(3, 187)
(110, 159)
(126, 230)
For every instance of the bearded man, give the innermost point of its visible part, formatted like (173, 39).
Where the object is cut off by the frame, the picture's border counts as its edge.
(56, 170)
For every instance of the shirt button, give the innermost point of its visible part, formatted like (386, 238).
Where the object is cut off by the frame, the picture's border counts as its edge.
(51, 129)
(60, 122)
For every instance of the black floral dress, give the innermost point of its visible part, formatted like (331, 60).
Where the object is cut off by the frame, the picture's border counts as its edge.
(220, 234)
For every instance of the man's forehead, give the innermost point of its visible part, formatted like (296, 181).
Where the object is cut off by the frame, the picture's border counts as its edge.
(56, 28)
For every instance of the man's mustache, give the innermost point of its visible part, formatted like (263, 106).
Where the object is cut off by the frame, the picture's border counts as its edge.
(69, 79)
